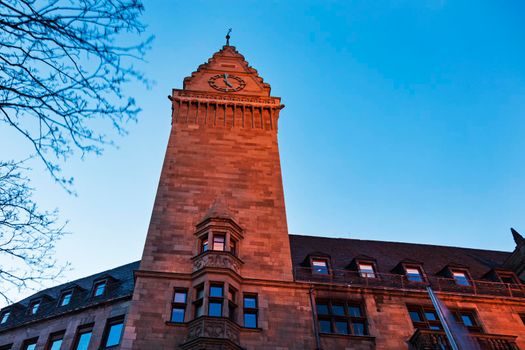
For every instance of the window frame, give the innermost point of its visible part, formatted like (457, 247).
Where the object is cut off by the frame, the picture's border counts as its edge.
(28, 342)
(82, 329)
(216, 299)
(5, 315)
(476, 327)
(347, 317)
(250, 310)
(465, 272)
(326, 260)
(503, 274)
(198, 302)
(31, 307)
(96, 283)
(179, 305)
(216, 236)
(107, 330)
(420, 270)
(204, 244)
(425, 323)
(363, 274)
(232, 303)
(53, 337)
(62, 297)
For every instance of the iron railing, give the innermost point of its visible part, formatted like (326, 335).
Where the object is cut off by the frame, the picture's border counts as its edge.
(424, 339)
(397, 281)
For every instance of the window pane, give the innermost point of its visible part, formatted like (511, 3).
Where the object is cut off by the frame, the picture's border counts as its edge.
(100, 288)
(215, 309)
(177, 314)
(83, 341)
(199, 310)
(414, 275)
(66, 298)
(430, 316)
(414, 316)
(56, 344)
(325, 326)
(114, 334)
(338, 309)
(233, 247)
(341, 327)
(200, 293)
(467, 320)
(461, 278)
(180, 297)
(250, 302)
(320, 266)
(218, 242)
(322, 309)
(216, 291)
(367, 270)
(31, 346)
(358, 328)
(5, 317)
(435, 327)
(354, 311)
(204, 245)
(250, 320)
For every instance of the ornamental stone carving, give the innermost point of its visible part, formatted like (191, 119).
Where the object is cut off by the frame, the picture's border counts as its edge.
(217, 259)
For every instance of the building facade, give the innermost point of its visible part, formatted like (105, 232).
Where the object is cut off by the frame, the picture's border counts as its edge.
(220, 271)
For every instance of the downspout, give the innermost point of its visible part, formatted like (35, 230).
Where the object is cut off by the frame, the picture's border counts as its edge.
(441, 316)
(314, 318)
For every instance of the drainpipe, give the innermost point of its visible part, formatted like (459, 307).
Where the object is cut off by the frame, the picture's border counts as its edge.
(314, 318)
(441, 315)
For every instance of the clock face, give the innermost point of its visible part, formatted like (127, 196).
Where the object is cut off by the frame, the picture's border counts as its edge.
(226, 82)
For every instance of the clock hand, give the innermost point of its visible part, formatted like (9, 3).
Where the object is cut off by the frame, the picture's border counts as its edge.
(226, 80)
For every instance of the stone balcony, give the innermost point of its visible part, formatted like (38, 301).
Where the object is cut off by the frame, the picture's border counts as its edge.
(212, 333)
(217, 260)
(436, 340)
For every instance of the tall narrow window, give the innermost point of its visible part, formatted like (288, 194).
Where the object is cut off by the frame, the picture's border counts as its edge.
(215, 301)
(83, 337)
(414, 274)
(366, 270)
(99, 288)
(204, 244)
(65, 298)
(233, 246)
(250, 310)
(232, 303)
(5, 316)
(55, 341)
(341, 317)
(178, 305)
(218, 242)
(33, 307)
(199, 301)
(113, 332)
(320, 266)
(461, 277)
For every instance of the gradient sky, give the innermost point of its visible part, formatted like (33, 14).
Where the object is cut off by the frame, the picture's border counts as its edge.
(404, 121)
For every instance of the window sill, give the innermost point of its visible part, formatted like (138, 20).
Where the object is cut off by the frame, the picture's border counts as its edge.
(177, 324)
(348, 336)
(248, 329)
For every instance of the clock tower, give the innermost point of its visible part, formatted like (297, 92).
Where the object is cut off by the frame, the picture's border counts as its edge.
(219, 217)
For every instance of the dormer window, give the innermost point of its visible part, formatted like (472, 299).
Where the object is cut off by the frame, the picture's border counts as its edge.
(5, 317)
(219, 241)
(320, 266)
(461, 277)
(65, 298)
(99, 289)
(414, 274)
(366, 269)
(33, 307)
(507, 277)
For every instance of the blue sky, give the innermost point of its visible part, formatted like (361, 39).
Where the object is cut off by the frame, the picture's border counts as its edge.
(403, 122)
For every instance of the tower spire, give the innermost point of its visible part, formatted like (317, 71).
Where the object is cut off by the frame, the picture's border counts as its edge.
(228, 37)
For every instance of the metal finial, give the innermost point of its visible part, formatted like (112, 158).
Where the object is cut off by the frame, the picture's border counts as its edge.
(228, 37)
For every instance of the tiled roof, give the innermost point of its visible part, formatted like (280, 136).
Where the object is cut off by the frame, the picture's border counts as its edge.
(388, 255)
(120, 283)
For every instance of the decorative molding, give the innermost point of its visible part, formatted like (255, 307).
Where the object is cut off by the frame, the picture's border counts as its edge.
(212, 333)
(217, 259)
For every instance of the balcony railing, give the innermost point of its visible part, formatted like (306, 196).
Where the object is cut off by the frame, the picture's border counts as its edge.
(385, 280)
(424, 339)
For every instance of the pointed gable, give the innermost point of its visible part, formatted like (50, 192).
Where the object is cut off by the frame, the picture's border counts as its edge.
(238, 73)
